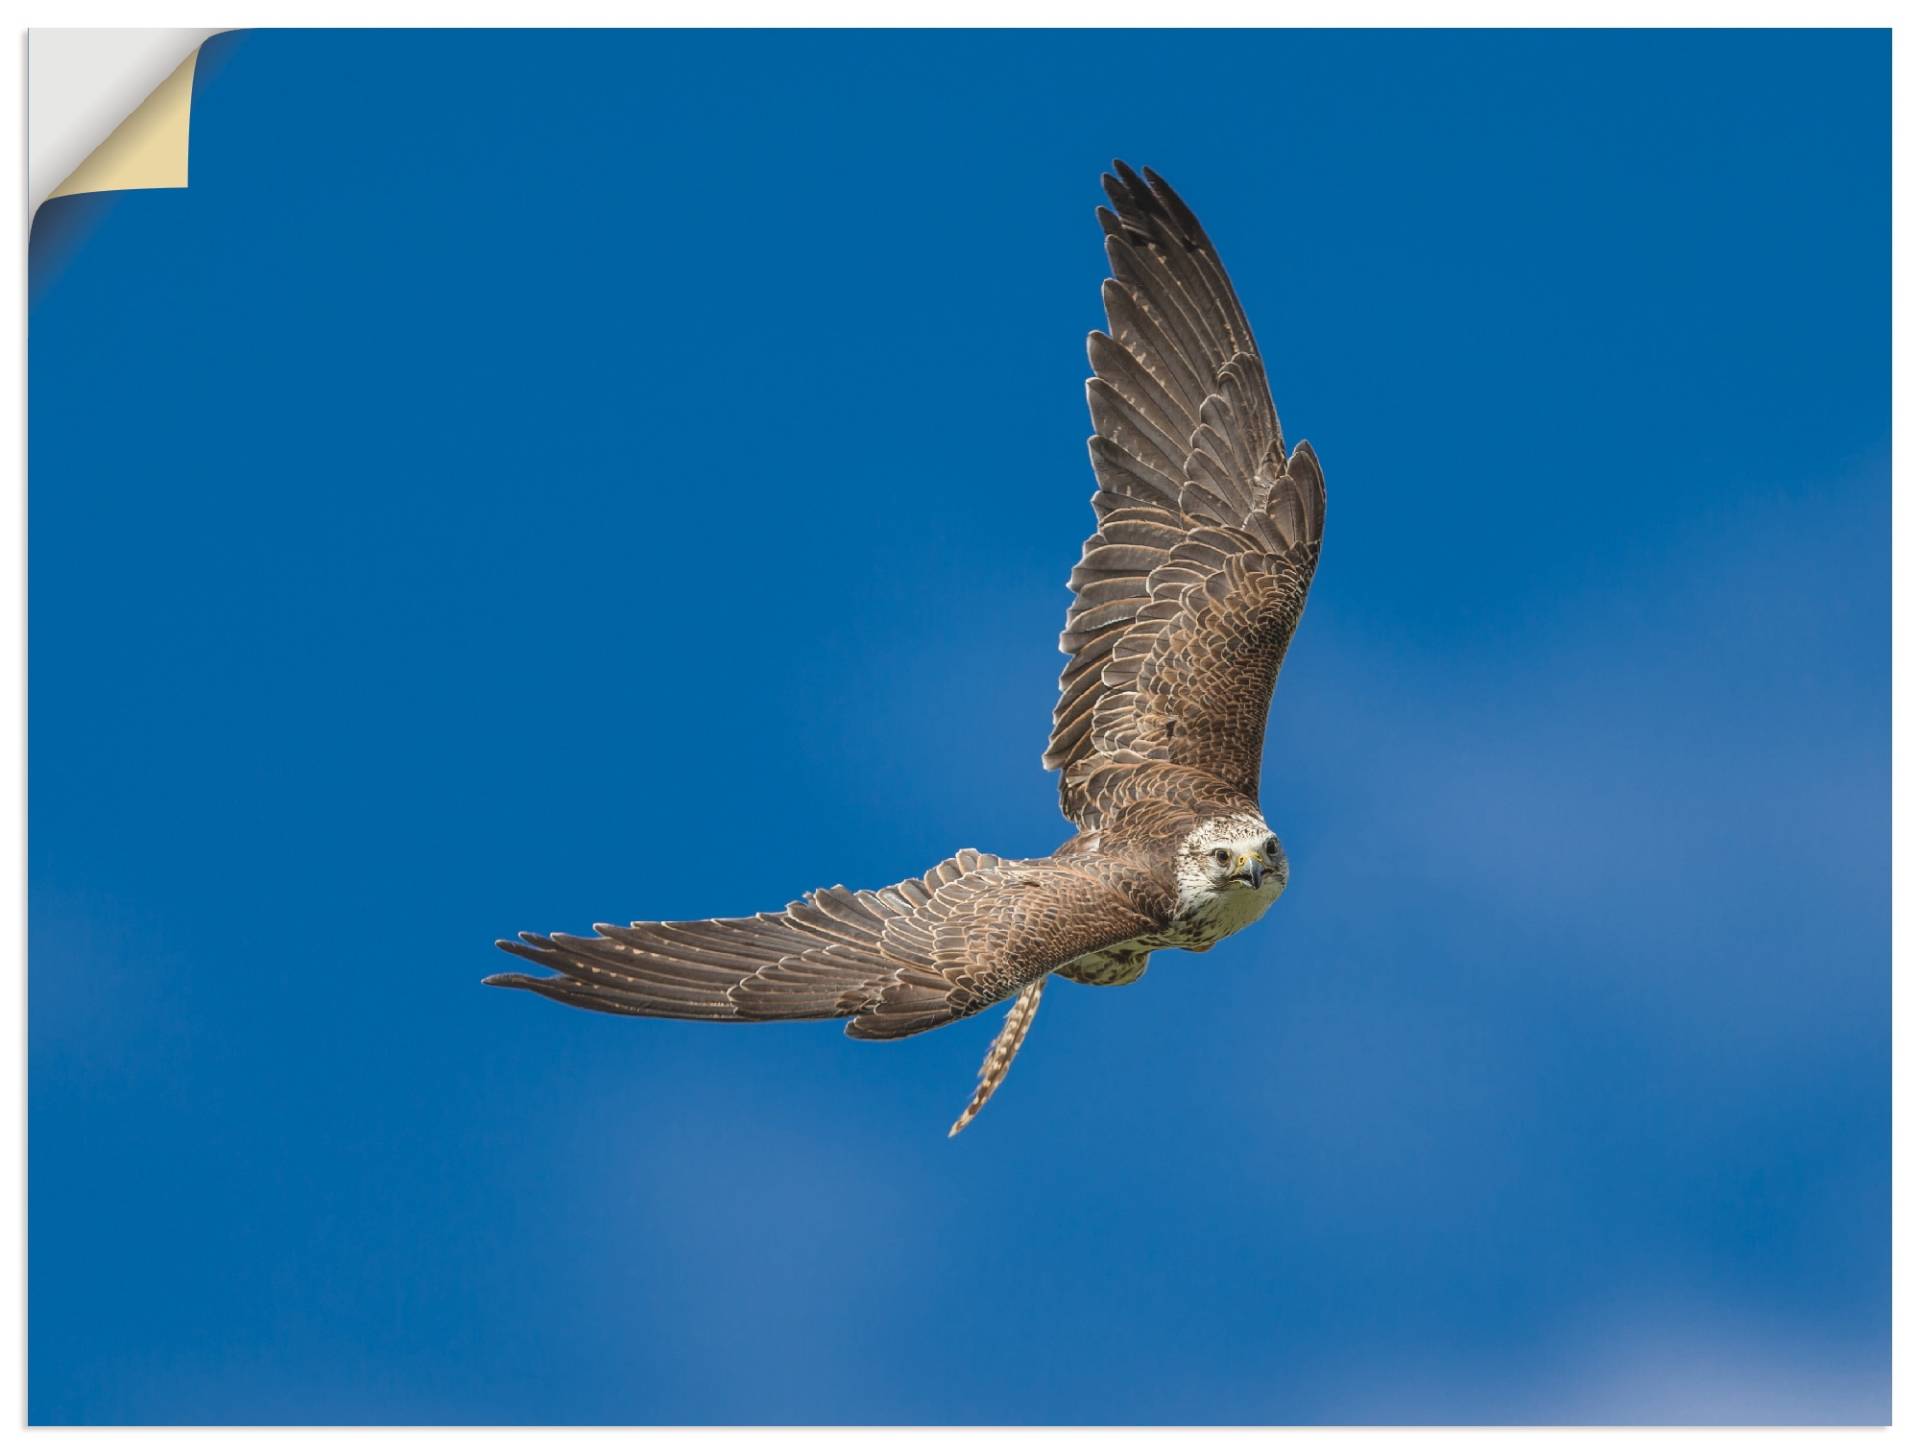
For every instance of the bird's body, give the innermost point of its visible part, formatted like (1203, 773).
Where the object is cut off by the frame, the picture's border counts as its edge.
(1186, 596)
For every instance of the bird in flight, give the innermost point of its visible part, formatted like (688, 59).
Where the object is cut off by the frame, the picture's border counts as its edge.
(1206, 536)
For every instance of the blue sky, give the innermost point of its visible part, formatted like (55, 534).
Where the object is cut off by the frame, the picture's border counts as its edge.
(530, 479)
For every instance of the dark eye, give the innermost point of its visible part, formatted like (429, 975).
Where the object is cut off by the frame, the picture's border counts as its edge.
(1273, 848)
(1220, 856)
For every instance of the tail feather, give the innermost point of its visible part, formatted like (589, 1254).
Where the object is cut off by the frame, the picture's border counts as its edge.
(1000, 1054)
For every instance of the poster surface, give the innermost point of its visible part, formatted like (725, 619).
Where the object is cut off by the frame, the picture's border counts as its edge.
(528, 479)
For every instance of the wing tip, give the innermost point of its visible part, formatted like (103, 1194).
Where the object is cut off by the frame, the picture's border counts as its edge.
(535, 948)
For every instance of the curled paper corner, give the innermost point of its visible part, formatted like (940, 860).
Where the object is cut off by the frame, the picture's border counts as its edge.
(149, 148)
(89, 128)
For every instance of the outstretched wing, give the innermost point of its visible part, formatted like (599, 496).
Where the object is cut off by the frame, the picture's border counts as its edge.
(1208, 530)
(925, 952)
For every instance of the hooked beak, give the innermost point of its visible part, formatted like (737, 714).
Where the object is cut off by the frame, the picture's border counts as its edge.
(1251, 869)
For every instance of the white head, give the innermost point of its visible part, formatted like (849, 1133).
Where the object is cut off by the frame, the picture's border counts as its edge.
(1230, 864)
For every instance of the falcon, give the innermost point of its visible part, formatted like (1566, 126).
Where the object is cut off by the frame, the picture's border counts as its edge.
(1207, 531)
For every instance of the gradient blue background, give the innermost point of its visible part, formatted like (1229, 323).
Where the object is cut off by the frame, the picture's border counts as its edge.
(537, 478)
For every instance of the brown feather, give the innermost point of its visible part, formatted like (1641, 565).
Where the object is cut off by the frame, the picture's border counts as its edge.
(1174, 660)
(920, 954)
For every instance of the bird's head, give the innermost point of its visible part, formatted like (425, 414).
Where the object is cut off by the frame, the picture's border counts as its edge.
(1233, 855)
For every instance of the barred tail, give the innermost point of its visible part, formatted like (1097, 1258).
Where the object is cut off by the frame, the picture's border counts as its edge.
(1000, 1054)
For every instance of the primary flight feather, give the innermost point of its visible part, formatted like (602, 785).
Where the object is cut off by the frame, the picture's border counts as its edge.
(1186, 595)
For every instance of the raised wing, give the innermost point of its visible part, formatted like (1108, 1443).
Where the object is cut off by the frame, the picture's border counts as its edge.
(1188, 591)
(895, 961)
